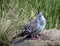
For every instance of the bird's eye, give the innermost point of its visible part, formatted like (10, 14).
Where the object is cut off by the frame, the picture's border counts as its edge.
(40, 16)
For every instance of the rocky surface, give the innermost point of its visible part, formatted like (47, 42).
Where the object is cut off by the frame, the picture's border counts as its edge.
(49, 38)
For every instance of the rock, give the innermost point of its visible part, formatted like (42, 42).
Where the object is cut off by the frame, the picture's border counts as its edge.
(53, 34)
(49, 38)
(38, 43)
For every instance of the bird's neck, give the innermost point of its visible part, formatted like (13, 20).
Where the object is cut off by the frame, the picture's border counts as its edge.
(41, 19)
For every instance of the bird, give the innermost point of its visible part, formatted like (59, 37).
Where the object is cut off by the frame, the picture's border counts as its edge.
(34, 27)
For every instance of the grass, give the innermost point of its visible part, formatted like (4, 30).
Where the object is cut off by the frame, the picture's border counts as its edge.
(15, 13)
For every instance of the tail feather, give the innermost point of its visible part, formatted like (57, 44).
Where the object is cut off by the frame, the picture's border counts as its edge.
(22, 34)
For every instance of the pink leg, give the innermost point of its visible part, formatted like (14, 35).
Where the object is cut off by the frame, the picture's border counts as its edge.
(40, 36)
(35, 37)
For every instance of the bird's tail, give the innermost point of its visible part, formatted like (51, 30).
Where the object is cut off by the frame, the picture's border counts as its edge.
(22, 34)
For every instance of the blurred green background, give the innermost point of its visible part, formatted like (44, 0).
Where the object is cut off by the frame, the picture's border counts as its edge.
(15, 13)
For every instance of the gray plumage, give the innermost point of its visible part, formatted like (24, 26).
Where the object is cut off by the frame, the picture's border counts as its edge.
(34, 26)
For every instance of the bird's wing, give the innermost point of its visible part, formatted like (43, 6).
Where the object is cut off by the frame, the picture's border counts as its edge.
(29, 28)
(33, 23)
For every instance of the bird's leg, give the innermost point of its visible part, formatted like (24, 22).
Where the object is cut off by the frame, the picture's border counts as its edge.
(35, 37)
(32, 37)
(41, 36)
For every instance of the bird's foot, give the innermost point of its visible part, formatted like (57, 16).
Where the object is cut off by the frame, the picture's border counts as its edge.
(35, 37)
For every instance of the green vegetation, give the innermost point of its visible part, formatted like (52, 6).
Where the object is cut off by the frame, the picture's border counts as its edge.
(15, 13)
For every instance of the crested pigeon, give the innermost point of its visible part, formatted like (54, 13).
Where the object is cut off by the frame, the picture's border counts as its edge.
(34, 27)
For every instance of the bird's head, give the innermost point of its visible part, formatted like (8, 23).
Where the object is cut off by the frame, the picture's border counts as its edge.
(39, 14)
